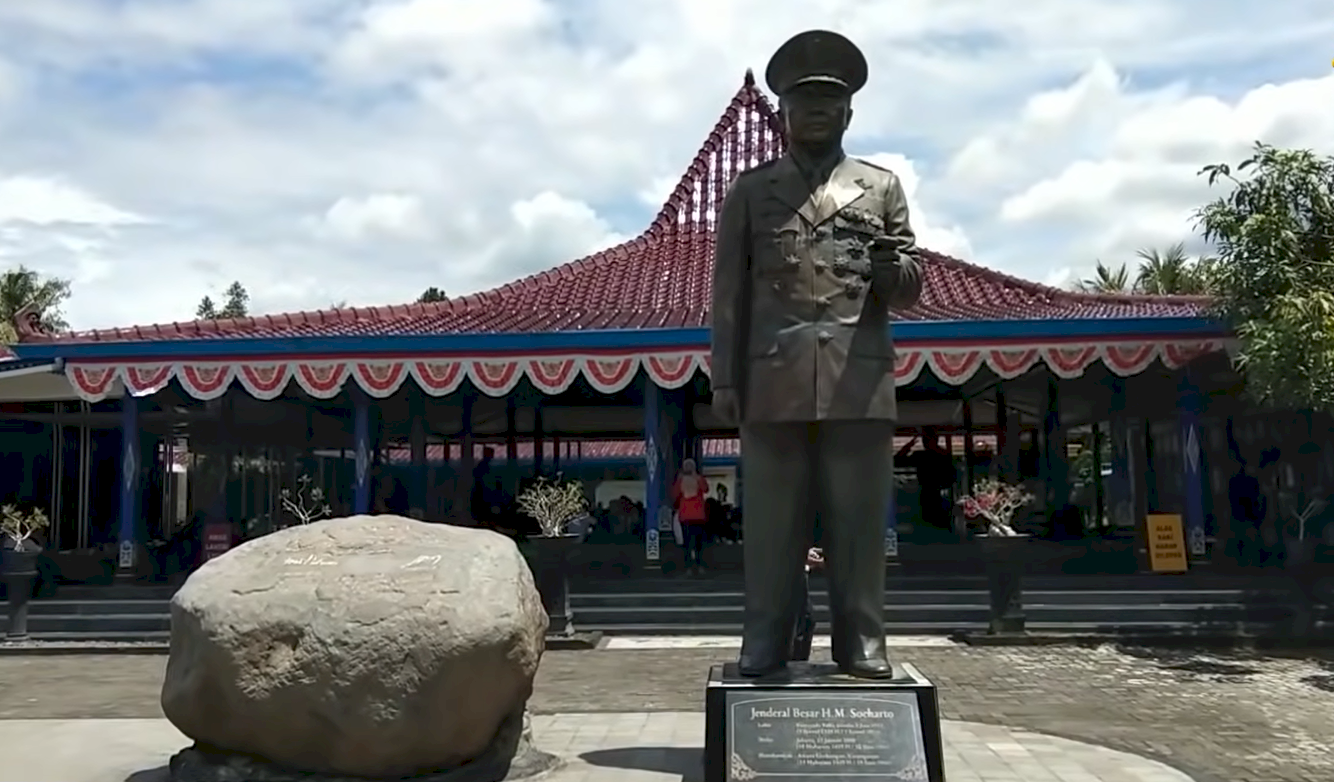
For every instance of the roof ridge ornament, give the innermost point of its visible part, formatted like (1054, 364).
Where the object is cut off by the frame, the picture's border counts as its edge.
(27, 323)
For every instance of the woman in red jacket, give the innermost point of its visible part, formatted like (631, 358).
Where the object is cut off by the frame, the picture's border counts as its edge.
(688, 495)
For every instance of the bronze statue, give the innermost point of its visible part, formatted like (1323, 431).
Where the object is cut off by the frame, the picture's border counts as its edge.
(813, 250)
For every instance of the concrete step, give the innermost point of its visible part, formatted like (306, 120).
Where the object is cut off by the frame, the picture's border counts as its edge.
(63, 607)
(134, 637)
(100, 623)
(734, 628)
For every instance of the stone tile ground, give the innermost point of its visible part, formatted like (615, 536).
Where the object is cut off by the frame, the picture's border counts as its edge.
(1219, 716)
(661, 746)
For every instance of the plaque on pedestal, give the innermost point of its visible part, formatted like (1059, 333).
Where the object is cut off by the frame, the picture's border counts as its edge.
(812, 723)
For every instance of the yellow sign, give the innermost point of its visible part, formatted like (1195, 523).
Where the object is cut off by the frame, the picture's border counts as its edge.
(1167, 543)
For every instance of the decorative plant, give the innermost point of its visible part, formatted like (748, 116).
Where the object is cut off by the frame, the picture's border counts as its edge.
(306, 504)
(996, 503)
(553, 504)
(19, 526)
(1291, 501)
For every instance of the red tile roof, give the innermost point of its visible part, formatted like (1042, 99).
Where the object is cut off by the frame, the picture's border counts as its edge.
(661, 279)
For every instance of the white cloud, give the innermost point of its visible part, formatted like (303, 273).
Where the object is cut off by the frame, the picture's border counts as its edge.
(45, 201)
(1121, 172)
(945, 238)
(391, 215)
(461, 144)
(553, 226)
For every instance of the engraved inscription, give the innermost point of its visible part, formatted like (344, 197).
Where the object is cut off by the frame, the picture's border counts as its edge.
(826, 736)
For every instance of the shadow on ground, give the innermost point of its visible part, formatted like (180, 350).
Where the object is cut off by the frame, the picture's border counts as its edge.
(1233, 664)
(687, 762)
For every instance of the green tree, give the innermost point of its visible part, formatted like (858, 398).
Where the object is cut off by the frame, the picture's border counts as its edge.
(1170, 273)
(236, 304)
(432, 294)
(1106, 280)
(206, 310)
(1273, 273)
(22, 287)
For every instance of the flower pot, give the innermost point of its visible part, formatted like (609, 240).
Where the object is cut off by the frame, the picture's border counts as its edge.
(551, 561)
(1006, 558)
(20, 569)
(1298, 553)
(22, 562)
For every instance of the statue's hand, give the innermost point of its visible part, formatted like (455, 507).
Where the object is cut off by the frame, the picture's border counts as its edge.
(884, 251)
(727, 406)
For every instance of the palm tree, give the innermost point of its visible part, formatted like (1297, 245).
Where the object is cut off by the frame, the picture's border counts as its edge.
(1170, 273)
(22, 287)
(1107, 280)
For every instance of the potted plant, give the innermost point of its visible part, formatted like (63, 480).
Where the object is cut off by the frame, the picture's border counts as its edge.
(306, 504)
(1005, 551)
(1298, 545)
(20, 554)
(555, 505)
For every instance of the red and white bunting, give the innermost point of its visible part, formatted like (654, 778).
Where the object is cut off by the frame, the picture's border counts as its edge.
(606, 373)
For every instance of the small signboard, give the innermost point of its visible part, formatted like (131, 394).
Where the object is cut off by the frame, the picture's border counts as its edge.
(217, 540)
(652, 546)
(126, 558)
(1167, 543)
(891, 540)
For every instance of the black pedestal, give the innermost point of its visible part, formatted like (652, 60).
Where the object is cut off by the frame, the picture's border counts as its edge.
(553, 581)
(20, 590)
(812, 723)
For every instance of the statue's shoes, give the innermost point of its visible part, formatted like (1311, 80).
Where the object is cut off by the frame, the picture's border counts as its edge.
(874, 668)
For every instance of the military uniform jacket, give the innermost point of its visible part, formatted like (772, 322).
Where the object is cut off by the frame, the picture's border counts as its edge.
(800, 316)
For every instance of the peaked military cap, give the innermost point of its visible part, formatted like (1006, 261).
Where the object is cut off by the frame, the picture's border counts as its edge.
(816, 56)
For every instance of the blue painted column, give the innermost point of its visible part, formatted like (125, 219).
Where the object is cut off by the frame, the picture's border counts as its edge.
(1055, 456)
(663, 434)
(130, 455)
(151, 481)
(1120, 487)
(417, 447)
(1190, 404)
(467, 459)
(361, 451)
(892, 520)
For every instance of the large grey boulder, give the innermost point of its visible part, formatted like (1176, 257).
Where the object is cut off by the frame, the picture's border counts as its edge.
(373, 646)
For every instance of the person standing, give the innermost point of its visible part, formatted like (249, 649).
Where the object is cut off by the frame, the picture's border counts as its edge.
(814, 250)
(689, 496)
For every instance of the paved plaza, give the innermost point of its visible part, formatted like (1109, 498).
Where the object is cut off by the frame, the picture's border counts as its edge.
(1020, 714)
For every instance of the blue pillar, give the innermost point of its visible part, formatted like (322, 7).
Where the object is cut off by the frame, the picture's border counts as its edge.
(417, 446)
(892, 520)
(361, 449)
(1055, 457)
(663, 434)
(130, 468)
(1120, 487)
(151, 480)
(1189, 406)
(463, 486)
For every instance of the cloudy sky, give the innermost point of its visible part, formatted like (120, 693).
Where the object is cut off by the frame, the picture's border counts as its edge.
(361, 150)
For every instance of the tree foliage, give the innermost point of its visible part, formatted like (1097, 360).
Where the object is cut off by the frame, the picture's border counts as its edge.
(1169, 272)
(432, 294)
(1106, 279)
(1273, 275)
(23, 286)
(236, 304)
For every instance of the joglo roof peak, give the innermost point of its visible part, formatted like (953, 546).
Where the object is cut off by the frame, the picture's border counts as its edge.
(661, 278)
